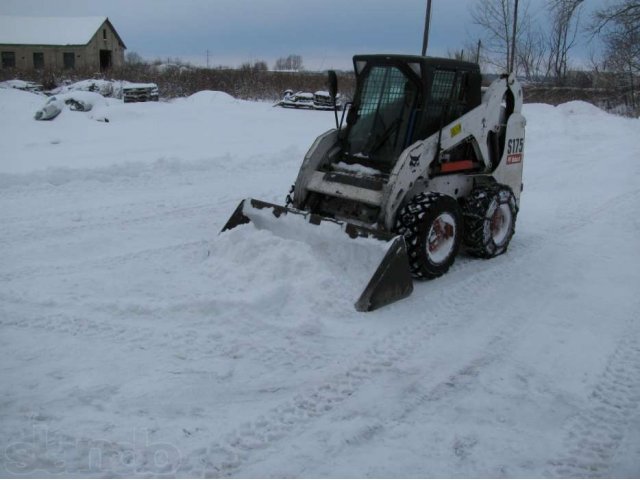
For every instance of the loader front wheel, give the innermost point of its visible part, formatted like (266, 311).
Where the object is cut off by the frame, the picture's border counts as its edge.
(432, 228)
(489, 214)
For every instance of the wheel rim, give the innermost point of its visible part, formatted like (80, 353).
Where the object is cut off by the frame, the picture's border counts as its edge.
(441, 238)
(500, 223)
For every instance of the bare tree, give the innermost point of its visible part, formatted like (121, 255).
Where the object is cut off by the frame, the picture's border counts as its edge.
(467, 53)
(565, 19)
(496, 19)
(133, 58)
(532, 52)
(257, 66)
(620, 11)
(291, 63)
(619, 27)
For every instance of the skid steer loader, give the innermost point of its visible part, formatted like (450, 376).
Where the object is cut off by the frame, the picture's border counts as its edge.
(426, 161)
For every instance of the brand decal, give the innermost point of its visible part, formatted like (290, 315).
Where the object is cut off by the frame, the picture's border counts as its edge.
(514, 158)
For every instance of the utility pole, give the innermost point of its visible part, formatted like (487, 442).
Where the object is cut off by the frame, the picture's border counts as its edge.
(513, 41)
(478, 51)
(427, 23)
(207, 58)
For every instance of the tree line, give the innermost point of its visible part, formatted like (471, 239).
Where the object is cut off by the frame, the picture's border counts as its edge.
(546, 38)
(547, 34)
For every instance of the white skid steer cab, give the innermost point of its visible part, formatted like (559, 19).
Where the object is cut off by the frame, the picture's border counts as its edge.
(426, 162)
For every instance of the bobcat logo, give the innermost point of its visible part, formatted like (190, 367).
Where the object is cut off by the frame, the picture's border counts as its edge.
(414, 160)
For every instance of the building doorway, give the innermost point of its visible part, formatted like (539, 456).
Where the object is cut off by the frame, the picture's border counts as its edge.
(105, 60)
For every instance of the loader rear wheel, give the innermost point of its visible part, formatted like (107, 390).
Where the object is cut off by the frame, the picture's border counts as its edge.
(432, 228)
(489, 214)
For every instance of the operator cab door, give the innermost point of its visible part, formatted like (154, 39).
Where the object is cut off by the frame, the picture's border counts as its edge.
(385, 107)
(452, 93)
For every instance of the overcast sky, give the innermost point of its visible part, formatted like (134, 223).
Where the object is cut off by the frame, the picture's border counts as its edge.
(326, 33)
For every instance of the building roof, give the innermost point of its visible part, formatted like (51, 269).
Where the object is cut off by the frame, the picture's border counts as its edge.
(49, 30)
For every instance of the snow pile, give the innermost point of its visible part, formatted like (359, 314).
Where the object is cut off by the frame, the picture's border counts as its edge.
(76, 101)
(579, 108)
(83, 101)
(138, 341)
(210, 98)
(21, 85)
(106, 88)
(141, 136)
(280, 270)
(357, 168)
(18, 106)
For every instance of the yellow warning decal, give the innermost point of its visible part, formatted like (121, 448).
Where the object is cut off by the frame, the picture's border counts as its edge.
(456, 129)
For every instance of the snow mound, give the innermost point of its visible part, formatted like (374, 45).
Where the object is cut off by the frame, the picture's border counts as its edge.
(292, 267)
(21, 85)
(79, 101)
(89, 99)
(106, 88)
(211, 97)
(538, 108)
(578, 107)
(563, 112)
(15, 103)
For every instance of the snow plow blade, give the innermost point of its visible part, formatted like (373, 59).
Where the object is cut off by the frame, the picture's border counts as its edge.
(391, 280)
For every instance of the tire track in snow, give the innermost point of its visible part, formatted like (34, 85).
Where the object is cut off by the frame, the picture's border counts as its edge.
(59, 317)
(417, 396)
(195, 248)
(227, 457)
(380, 357)
(606, 207)
(238, 447)
(161, 338)
(72, 231)
(594, 434)
(161, 169)
(77, 221)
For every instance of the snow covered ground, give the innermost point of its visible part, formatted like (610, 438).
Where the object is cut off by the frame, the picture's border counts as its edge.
(136, 341)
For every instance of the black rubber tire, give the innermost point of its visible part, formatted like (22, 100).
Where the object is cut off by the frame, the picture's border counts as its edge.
(478, 210)
(415, 220)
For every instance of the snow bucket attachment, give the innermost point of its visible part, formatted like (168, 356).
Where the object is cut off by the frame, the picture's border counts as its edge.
(391, 280)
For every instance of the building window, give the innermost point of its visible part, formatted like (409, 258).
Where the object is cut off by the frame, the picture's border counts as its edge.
(38, 60)
(69, 60)
(104, 33)
(8, 59)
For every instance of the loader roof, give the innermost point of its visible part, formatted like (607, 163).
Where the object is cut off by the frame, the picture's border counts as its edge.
(433, 62)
